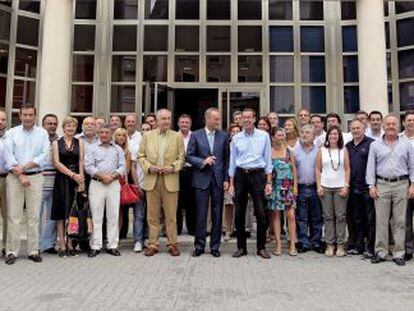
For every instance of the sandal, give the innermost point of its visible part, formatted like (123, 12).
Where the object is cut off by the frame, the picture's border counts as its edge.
(293, 252)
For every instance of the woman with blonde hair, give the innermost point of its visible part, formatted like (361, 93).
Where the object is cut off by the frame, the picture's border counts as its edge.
(292, 132)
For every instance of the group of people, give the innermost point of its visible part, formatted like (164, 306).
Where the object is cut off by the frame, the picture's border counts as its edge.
(336, 192)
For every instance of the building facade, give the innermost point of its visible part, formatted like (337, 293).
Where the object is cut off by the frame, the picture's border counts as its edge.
(103, 57)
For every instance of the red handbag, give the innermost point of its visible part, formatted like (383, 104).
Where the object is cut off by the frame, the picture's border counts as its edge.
(129, 193)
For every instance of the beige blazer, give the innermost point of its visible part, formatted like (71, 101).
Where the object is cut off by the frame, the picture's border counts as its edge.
(174, 156)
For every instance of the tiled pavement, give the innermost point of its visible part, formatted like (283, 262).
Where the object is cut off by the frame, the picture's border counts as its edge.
(134, 282)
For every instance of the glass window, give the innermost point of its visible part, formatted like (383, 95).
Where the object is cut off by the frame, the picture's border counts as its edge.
(249, 9)
(351, 99)
(3, 85)
(314, 98)
(250, 38)
(387, 35)
(186, 38)
(23, 93)
(281, 68)
(350, 64)
(156, 9)
(405, 31)
(281, 38)
(30, 5)
(218, 38)
(155, 68)
(250, 69)
(25, 65)
(348, 10)
(84, 38)
(406, 64)
(159, 32)
(85, 9)
(349, 39)
(280, 9)
(83, 66)
(187, 9)
(313, 69)
(123, 68)
(123, 98)
(186, 69)
(125, 38)
(407, 96)
(389, 70)
(27, 31)
(386, 10)
(125, 9)
(218, 68)
(218, 9)
(311, 10)
(282, 99)
(6, 2)
(404, 6)
(4, 58)
(312, 39)
(82, 98)
(4, 25)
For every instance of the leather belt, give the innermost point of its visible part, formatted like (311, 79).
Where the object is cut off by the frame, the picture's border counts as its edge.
(401, 178)
(4, 174)
(307, 185)
(250, 170)
(32, 173)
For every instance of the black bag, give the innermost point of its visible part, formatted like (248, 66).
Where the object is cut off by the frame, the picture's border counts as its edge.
(79, 222)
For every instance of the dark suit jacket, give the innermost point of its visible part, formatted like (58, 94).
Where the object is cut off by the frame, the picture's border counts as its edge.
(198, 149)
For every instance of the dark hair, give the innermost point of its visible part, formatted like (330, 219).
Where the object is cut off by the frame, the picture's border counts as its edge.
(49, 115)
(150, 115)
(317, 116)
(232, 126)
(27, 106)
(115, 116)
(408, 113)
(266, 119)
(375, 112)
(276, 129)
(361, 112)
(184, 116)
(250, 110)
(334, 115)
(340, 139)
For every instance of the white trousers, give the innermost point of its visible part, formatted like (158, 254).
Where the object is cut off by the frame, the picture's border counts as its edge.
(101, 196)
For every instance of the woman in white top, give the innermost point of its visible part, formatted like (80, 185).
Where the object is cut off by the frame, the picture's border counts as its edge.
(332, 177)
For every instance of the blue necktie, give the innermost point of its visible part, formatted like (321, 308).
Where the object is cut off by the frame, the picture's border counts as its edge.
(211, 141)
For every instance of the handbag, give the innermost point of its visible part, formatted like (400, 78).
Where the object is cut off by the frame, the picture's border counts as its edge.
(129, 193)
(79, 223)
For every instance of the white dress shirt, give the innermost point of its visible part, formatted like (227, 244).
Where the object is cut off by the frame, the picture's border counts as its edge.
(371, 134)
(133, 144)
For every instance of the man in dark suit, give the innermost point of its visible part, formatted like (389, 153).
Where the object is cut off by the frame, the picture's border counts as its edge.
(208, 153)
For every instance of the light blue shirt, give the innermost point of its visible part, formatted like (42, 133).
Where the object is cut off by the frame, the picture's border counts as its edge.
(305, 160)
(24, 146)
(250, 151)
(107, 159)
(2, 150)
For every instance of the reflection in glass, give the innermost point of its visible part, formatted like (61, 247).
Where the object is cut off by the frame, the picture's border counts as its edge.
(280, 9)
(313, 68)
(404, 6)
(29, 5)
(407, 96)
(125, 38)
(26, 61)
(250, 38)
(4, 25)
(249, 9)
(123, 68)
(82, 98)
(314, 98)
(218, 68)
(27, 30)
(406, 63)
(311, 10)
(156, 9)
(312, 39)
(389, 70)
(405, 33)
(186, 39)
(155, 68)
(123, 98)
(84, 39)
(3, 85)
(387, 35)
(83, 68)
(187, 9)
(159, 32)
(281, 38)
(218, 9)
(218, 38)
(282, 99)
(23, 93)
(348, 10)
(349, 39)
(250, 69)
(351, 99)
(281, 68)
(4, 58)
(350, 64)
(186, 69)
(85, 9)
(125, 9)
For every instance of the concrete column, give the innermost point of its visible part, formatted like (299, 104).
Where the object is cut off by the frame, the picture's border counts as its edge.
(55, 70)
(373, 93)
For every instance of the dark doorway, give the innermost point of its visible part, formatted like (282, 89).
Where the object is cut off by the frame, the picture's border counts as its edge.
(194, 102)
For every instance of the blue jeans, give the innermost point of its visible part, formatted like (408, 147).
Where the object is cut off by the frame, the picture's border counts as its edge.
(138, 229)
(309, 217)
(47, 226)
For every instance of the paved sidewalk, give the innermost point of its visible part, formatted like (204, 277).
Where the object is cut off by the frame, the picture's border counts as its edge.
(135, 282)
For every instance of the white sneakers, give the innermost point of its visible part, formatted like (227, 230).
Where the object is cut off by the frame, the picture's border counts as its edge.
(138, 247)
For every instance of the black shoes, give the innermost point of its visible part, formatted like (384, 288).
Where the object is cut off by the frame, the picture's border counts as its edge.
(35, 258)
(216, 253)
(239, 253)
(399, 261)
(319, 249)
(408, 257)
(302, 249)
(263, 253)
(51, 251)
(197, 252)
(113, 252)
(353, 252)
(367, 255)
(10, 259)
(377, 259)
(94, 253)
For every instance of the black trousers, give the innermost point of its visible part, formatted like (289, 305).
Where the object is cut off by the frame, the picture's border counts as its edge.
(213, 195)
(252, 182)
(362, 215)
(186, 201)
